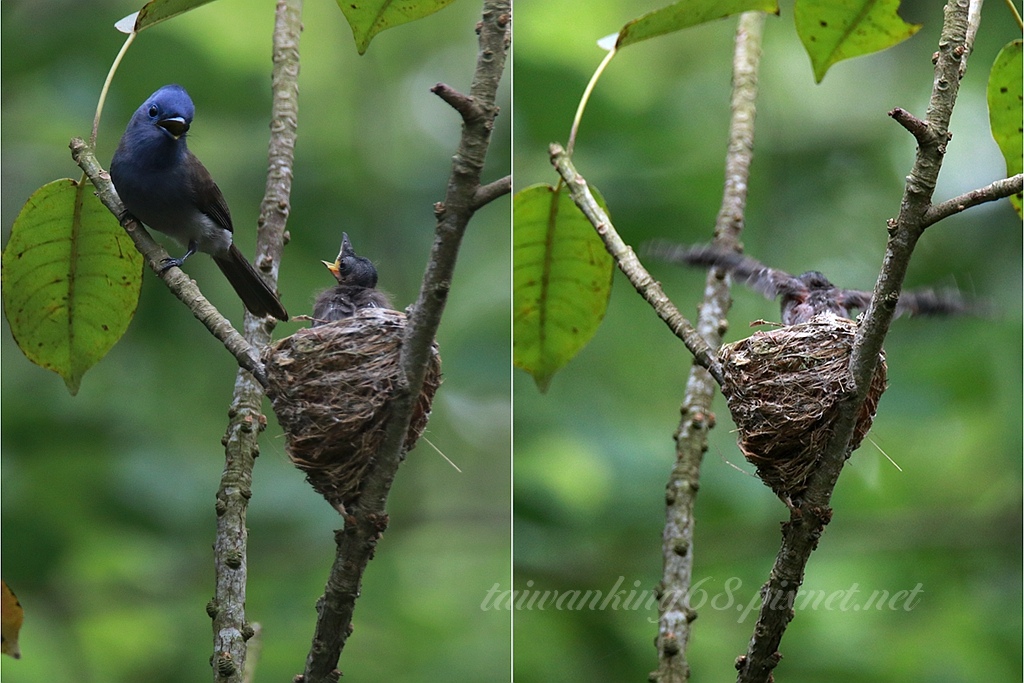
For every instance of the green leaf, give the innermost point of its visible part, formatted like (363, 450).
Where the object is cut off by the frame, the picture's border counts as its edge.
(561, 280)
(834, 30)
(1005, 110)
(686, 13)
(369, 17)
(155, 11)
(70, 280)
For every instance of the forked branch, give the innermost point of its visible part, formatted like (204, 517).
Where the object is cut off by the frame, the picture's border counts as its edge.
(367, 518)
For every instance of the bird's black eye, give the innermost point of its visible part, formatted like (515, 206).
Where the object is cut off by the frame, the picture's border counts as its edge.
(153, 110)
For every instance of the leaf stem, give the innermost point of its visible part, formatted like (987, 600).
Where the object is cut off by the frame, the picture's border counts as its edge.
(1016, 14)
(583, 101)
(106, 87)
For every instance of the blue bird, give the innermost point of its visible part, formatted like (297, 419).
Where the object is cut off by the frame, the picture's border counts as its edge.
(165, 186)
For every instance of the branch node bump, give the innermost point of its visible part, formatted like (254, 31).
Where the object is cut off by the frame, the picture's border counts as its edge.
(464, 104)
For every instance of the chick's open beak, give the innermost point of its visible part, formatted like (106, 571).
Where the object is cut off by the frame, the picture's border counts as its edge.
(335, 267)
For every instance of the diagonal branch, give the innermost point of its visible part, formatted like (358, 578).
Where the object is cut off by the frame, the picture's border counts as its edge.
(367, 518)
(630, 265)
(180, 284)
(1000, 189)
(231, 629)
(801, 533)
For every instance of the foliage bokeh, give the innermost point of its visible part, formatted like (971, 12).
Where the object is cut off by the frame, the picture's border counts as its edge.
(592, 456)
(108, 498)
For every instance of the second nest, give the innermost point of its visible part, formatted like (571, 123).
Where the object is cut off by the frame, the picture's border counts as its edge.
(784, 389)
(333, 387)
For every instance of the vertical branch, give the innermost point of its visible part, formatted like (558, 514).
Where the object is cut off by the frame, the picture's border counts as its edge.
(367, 518)
(284, 123)
(246, 421)
(675, 614)
(801, 533)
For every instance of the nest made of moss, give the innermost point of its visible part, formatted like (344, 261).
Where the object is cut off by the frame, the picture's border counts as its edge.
(783, 388)
(332, 388)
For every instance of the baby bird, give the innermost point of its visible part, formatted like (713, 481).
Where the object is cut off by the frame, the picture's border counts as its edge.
(806, 295)
(356, 288)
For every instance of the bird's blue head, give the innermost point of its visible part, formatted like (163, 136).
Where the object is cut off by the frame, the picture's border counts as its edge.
(169, 110)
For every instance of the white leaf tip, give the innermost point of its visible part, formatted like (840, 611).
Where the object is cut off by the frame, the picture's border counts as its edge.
(608, 42)
(127, 25)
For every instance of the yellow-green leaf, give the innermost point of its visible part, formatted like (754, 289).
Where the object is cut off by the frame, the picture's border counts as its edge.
(369, 17)
(1005, 109)
(155, 11)
(686, 13)
(70, 280)
(561, 281)
(834, 30)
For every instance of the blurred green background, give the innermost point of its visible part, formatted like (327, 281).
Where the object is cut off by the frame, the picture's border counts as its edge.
(592, 456)
(108, 497)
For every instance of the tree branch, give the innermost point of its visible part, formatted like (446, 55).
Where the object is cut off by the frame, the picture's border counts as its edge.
(180, 284)
(463, 104)
(488, 193)
(973, 21)
(231, 630)
(1000, 189)
(367, 518)
(630, 265)
(917, 127)
(801, 533)
(675, 614)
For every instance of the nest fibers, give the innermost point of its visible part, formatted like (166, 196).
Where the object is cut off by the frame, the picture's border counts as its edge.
(332, 388)
(783, 388)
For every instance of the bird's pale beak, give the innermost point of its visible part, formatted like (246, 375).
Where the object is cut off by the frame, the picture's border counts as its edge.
(335, 267)
(346, 246)
(176, 126)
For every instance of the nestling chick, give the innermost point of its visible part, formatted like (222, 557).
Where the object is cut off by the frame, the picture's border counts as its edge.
(356, 288)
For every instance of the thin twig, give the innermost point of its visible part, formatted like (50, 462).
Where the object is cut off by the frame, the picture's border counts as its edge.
(367, 518)
(1000, 189)
(675, 614)
(918, 128)
(800, 535)
(180, 284)
(461, 103)
(231, 630)
(630, 265)
(486, 194)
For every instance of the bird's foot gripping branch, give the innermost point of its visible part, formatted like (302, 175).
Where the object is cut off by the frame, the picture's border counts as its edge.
(165, 186)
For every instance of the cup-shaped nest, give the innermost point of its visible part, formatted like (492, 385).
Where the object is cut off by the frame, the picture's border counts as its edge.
(333, 387)
(784, 387)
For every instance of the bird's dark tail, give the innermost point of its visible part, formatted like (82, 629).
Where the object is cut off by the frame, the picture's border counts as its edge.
(257, 296)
